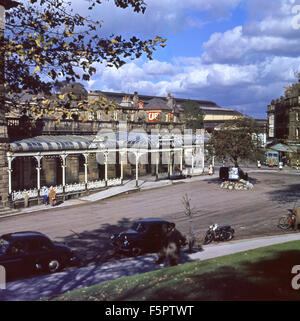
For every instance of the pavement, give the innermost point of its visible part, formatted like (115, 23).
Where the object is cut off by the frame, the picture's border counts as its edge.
(48, 286)
(128, 186)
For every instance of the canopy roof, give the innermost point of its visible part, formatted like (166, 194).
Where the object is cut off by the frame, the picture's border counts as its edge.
(109, 140)
(284, 148)
(45, 143)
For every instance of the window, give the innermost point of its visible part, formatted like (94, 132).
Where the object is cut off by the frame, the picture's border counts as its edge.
(139, 227)
(3, 246)
(38, 245)
(271, 125)
(115, 116)
(18, 248)
(90, 116)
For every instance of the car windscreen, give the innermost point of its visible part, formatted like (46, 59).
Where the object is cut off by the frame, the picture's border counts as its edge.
(3, 245)
(139, 227)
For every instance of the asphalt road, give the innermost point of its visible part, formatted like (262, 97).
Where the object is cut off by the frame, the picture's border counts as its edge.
(87, 227)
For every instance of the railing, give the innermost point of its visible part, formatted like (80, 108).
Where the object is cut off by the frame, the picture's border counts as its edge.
(69, 188)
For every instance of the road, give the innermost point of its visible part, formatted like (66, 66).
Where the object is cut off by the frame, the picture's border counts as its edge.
(87, 227)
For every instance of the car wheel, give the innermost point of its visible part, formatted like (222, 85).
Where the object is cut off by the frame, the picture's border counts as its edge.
(53, 265)
(136, 251)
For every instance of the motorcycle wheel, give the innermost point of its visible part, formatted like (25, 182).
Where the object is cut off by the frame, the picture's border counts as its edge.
(285, 222)
(208, 238)
(228, 236)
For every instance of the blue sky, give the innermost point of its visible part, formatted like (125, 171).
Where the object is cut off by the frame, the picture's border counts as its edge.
(238, 53)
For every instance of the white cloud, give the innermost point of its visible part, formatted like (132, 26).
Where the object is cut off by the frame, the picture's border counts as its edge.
(244, 67)
(250, 86)
(225, 47)
(269, 31)
(160, 17)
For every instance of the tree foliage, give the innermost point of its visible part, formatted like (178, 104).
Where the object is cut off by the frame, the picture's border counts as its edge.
(47, 41)
(193, 115)
(236, 139)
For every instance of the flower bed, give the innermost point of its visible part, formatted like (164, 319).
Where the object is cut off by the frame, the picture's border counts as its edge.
(240, 185)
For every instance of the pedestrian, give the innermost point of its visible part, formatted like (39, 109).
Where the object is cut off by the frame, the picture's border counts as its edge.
(283, 160)
(46, 196)
(171, 242)
(52, 196)
(210, 169)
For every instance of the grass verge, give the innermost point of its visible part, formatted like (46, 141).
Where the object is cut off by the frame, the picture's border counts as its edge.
(260, 274)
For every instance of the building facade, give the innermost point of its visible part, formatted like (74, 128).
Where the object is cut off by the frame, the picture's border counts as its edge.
(143, 138)
(284, 116)
(283, 124)
(82, 151)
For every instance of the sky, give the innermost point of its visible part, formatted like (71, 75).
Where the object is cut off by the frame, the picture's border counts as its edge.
(240, 54)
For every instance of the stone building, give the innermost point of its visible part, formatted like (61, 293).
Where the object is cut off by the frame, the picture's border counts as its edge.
(284, 116)
(283, 125)
(4, 5)
(72, 156)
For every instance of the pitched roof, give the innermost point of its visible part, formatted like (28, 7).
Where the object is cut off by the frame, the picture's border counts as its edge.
(157, 103)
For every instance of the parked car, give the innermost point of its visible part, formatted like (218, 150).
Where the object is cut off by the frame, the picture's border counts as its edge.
(144, 237)
(28, 252)
(232, 173)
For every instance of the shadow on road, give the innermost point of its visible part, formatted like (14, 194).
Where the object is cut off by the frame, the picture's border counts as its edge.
(94, 247)
(289, 194)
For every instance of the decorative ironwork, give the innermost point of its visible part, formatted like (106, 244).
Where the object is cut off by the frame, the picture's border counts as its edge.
(114, 182)
(22, 194)
(95, 184)
(75, 187)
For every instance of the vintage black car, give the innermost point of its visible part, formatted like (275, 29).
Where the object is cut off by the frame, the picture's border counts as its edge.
(144, 237)
(23, 253)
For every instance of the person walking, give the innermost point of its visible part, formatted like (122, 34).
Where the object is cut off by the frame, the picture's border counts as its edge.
(46, 196)
(171, 242)
(52, 196)
(211, 169)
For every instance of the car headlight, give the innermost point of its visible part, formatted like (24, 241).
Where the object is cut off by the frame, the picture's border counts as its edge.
(112, 237)
(126, 243)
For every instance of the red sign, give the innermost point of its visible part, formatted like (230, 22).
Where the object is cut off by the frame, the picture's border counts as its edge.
(153, 115)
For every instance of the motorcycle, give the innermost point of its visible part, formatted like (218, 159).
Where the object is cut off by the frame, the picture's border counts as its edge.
(218, 233)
